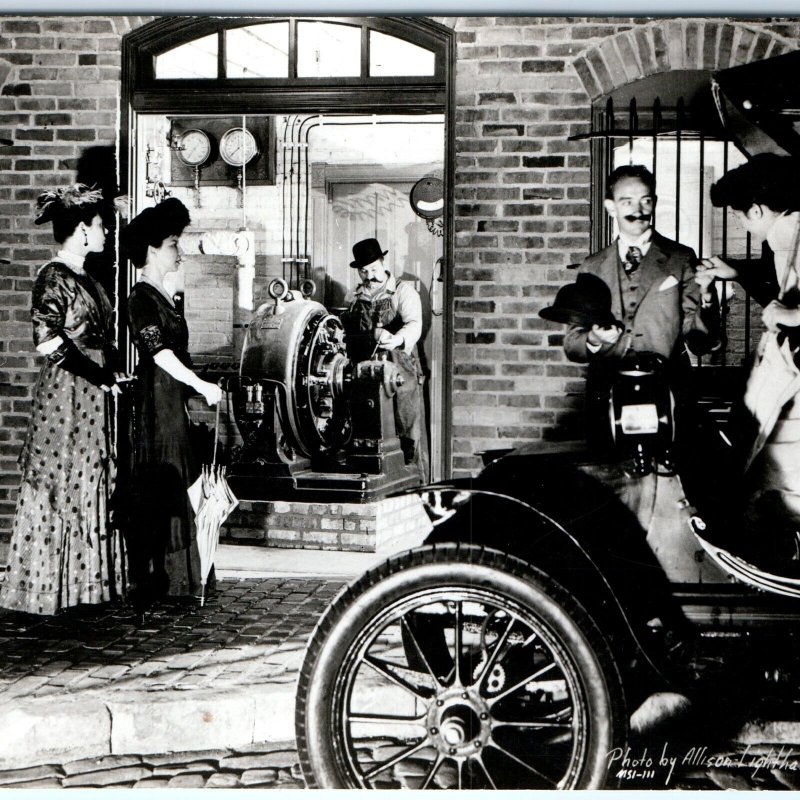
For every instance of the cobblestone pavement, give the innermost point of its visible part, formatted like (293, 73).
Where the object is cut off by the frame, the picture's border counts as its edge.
(274, 766)
(249, 632)
(262, 767)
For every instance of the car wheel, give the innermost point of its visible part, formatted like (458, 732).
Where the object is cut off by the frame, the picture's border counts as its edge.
(457, 667)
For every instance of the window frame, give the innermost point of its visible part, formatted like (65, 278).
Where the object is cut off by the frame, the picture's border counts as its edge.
(619, 115)
(141, 60)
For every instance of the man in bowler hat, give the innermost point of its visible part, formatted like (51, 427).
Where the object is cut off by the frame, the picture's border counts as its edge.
(385, 313)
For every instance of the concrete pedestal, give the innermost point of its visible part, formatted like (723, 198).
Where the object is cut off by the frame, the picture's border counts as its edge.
(383, 526)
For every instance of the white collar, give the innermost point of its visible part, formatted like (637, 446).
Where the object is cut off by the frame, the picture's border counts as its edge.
(643, 242)
(72, 260)
(782, 232)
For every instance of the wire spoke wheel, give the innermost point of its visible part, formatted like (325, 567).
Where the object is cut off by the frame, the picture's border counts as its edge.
(443, 670)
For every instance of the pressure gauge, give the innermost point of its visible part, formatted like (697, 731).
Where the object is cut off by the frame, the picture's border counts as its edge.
(193, 147)
(238, 147)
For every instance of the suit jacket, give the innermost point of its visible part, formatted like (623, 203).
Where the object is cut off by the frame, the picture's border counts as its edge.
(662, 307)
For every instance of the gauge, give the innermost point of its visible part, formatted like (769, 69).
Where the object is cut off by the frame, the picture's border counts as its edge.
(238, 147)
(193, 147)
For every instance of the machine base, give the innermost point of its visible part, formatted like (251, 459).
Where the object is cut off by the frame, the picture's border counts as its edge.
(254, 483)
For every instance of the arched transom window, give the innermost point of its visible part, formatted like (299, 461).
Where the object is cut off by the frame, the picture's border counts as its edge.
(301, 49)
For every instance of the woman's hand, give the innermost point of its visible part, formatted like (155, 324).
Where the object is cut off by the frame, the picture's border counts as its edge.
(776, 314)
(210, 391)
(115, 390)
(716, 268)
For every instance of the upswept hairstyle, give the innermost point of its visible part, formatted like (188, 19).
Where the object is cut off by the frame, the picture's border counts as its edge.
(67, 207)
(766, 179)
(630, 171)
(151, 227)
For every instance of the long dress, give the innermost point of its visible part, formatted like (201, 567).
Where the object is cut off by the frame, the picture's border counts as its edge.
(161, 545)
(63, 550)
(773, 397)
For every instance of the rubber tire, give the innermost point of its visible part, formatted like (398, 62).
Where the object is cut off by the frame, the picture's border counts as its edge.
(436, 566)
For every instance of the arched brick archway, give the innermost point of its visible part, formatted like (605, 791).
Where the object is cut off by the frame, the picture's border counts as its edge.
(661, 46)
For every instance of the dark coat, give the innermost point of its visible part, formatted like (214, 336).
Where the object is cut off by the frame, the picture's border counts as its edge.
(661, 306)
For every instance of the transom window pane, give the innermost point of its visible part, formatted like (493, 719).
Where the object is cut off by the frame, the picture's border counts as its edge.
(197, 59)
(328, 50)
(258, 51)
(389, 55)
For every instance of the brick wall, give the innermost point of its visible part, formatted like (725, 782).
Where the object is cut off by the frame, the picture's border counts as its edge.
(59, 94)
(522, 190)
(390, 524)
(522, 199)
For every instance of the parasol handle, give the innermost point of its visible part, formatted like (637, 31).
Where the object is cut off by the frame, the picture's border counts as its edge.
(216, 437)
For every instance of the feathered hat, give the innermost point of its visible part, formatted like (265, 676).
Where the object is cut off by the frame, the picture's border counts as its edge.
(65, 199)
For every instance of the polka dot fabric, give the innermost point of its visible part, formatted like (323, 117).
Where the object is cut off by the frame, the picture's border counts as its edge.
(63, 551)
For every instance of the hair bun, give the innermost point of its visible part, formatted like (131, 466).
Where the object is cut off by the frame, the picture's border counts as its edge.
(152, 226)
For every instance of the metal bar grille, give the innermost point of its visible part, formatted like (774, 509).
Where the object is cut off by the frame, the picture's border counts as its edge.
(685, 158)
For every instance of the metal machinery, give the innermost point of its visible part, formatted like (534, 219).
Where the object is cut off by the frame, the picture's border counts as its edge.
(314, 425)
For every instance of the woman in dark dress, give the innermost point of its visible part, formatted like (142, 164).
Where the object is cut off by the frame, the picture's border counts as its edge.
(63, 550)
(162, 549)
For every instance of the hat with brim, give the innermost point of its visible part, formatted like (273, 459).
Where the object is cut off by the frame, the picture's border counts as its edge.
(586, 302)
(365, 252)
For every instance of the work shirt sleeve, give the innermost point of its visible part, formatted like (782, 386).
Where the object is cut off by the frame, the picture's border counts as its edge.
(409, 308)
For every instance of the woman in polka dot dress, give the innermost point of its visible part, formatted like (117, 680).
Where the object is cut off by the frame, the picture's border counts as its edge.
(63, 550)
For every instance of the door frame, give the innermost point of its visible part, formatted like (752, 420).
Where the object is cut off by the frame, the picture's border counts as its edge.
(141, 92)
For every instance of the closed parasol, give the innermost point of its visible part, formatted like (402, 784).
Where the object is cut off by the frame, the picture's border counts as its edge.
(212, 501)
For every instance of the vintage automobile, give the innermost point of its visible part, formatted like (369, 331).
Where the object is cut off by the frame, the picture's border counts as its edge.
(556, 591)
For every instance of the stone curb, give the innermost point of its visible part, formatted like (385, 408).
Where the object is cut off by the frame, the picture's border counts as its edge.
(41, 731)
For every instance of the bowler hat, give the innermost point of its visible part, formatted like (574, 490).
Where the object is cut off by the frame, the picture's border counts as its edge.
(365, 252)
(586, 302)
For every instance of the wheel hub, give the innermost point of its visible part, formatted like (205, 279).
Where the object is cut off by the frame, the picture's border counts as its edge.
(459, 723)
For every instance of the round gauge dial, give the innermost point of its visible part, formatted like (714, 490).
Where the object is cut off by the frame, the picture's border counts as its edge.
(238, 147)
(194, 147)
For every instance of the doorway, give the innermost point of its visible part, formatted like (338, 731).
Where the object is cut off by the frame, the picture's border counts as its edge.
(382, 210)
(276, 75)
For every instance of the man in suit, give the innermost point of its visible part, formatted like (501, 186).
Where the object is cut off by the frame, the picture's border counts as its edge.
(662, 304)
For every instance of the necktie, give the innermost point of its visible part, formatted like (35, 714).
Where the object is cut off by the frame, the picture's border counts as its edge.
(632, 260)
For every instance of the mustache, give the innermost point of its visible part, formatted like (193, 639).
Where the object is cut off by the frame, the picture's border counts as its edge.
(374, 280)
(638, 217)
